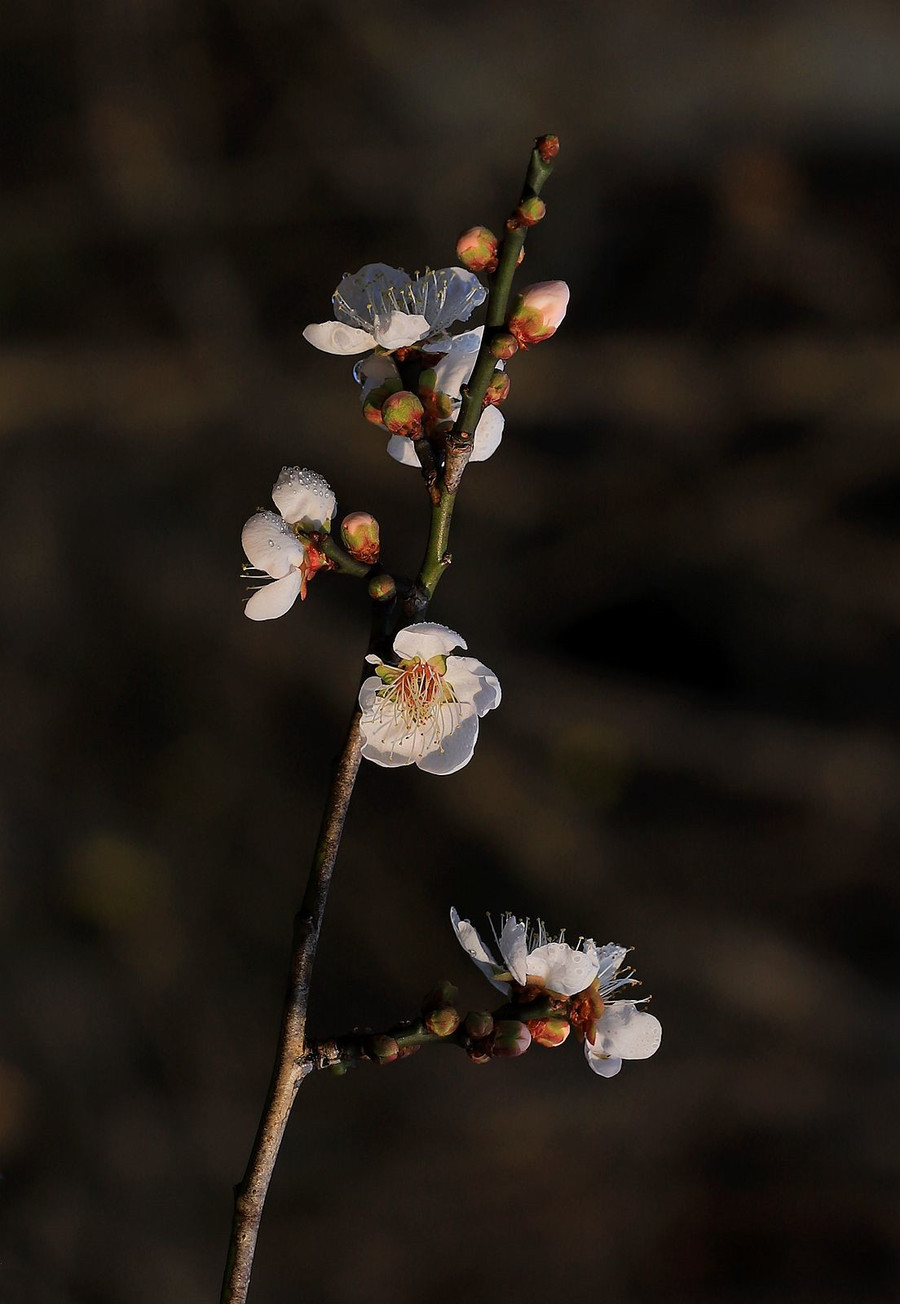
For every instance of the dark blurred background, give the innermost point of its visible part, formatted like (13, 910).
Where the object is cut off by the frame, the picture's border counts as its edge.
(683, 564)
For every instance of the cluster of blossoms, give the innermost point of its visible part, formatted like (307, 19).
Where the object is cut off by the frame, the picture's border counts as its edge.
(578, 980)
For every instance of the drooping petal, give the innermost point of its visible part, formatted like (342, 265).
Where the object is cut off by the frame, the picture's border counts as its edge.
(470, 941)
(426, 639)
(274, 599)
(402, 449)
(488, 434)
(605, 1066)
(270, 544)
(335, 337)
(626, 1032)
(513, 943)
(473, 682)
(561, 968)
(397, 330)
(455, 750)
(304, 496)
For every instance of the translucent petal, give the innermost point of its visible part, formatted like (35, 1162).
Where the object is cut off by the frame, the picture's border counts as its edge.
(362, 295)
(401, 449)
(488, 434)
(610, 959)
(426, 639)
(447, 295)
(475, 949)
(373, 371)
(473, 682)
(271, 545)
(561, 968)
(455, 368)
(456, 749)
(274, 599)
(513, 943)
(335, 337)
(397, 330)
(626, 1032)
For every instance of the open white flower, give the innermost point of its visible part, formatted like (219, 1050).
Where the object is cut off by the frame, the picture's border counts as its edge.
(586, 975)
(305, 500)
(385, 307)
(440, 391)
(425, 710)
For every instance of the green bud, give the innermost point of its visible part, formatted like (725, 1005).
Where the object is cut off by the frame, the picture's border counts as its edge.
(382, 588)
(383, 1048)
(504, 346)
(359, 532)
(442, 1022)
(402, 414)
(479, 1024)
(476, 249)
(531, 210)
(374, 402)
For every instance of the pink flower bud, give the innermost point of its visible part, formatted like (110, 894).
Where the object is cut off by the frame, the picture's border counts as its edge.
(477, 249)
(549, 1032)
(402, 414)
(531, 210)
(504, 346)
(509, 1039)
(359, 532)
(497, 389)
(382, 588)
(538, 312)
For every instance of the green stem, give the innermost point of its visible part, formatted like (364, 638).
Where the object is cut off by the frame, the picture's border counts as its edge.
(342, 560)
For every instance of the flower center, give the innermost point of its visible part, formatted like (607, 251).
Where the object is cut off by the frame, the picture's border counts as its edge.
(585, 1009)
(417, 692)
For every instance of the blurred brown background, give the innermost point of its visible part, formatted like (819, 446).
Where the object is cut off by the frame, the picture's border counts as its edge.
(683, 564)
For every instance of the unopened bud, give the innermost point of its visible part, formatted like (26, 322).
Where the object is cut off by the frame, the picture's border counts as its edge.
(497, 389)
(359, 532)
(382, 588)
(547, 147)
(504, 346)
(402, 414)
(444, 994)
(538, 312)
(479, 1024)
(477, 249)
(383, 1048)
(375, 400)
(509, 1039)
(531, 210)
(549, 1032)
(442, 1022)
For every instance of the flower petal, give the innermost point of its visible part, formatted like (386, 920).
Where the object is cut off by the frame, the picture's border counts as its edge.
(470, 941)
(626, 1032)
(304, 496)
(275, 599)
(270, 544)
(397, 330)
(447, 295)
(473, 682)
(372, 291)
(387, 741)
(427, 639)
(335, 337)
(455, 368)
(454, 751)
(373, 371)
(561, 968)
(513, 943)
(401, 449)
(605, 1066)
(488, 434)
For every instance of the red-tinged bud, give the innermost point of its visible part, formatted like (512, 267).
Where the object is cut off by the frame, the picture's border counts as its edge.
(359, 532)
(497, 389)
(549, 1032)
(504, 346)
(477, 249)
(442, 1022)
(547, 147)
(509, 1039)
(538, 312)
(382, 588)
(383, 1049)
(374, 402)
(444, 994)
(402, 414)
(531, 210)
(479, 1024)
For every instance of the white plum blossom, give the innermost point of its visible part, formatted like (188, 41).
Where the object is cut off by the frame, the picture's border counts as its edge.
(304, 500)
(587, 975)
(445, 379)
(385, 307)
(426, 709)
